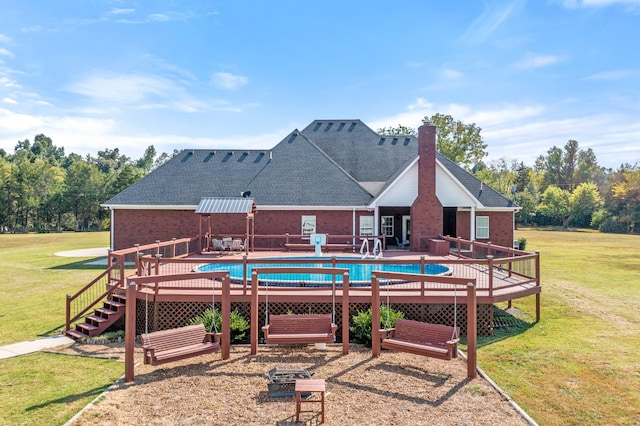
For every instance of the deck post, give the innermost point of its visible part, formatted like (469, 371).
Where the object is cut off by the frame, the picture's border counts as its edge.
(472, 330)
(375, 316)
(538, 284)
(254, 313)
(130, 332)
(226, 316)
(490, 273)
(345, 313)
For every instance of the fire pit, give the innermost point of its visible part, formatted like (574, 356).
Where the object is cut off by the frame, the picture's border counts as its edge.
(282, 381)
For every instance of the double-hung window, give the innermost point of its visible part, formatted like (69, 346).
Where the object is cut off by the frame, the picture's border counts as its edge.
(366, 225)
(482, 227)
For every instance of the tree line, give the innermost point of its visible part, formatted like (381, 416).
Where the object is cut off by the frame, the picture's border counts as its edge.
(564, 187)
(44, 190)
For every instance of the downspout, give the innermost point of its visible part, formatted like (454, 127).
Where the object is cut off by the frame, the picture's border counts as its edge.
(376, 225)
(111, 226)
(353, 227)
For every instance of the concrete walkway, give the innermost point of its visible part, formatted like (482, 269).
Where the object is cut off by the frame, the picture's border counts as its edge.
(31, 346)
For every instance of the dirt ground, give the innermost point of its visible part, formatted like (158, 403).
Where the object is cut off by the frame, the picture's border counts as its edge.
(394, 389)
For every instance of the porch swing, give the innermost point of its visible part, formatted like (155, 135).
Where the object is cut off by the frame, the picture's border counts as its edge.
(422, 338)
(298, 328)
(175, 344)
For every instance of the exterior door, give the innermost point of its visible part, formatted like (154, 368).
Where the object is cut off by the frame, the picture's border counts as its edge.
(406, 228)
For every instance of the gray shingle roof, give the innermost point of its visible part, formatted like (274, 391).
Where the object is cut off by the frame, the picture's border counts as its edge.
(329, 163)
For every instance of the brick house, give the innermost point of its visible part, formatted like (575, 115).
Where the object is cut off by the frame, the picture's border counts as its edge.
(337, 177)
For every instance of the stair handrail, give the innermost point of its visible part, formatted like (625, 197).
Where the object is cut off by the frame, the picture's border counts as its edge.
(85, 291)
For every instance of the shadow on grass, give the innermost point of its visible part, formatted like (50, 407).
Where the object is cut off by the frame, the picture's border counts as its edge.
(506, 325)
(90, 394)
(86, 264)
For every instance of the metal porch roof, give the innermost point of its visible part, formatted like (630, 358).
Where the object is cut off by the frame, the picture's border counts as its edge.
(209, 205)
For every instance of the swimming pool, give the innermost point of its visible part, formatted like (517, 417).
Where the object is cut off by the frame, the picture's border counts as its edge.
(359, 273)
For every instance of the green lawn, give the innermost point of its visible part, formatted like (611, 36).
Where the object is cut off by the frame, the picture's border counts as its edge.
(35, 282)
(578, 365)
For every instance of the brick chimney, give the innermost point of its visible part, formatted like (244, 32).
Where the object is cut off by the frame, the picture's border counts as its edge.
(426, 210)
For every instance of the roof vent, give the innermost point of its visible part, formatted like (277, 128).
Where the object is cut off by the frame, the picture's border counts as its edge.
(351, 127)
(326, 129)
(316, 127)
(340, 127)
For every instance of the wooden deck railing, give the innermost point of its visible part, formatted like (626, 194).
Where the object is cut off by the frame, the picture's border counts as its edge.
(113, 278)
(493, 267)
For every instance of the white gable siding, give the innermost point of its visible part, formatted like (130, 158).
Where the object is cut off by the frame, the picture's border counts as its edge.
(404, 190)
(450, 192)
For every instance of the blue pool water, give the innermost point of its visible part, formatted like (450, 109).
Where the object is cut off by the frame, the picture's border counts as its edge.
(359, 273)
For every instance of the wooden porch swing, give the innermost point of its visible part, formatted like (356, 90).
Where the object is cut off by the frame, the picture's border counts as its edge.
(422, 338)
(304, 328)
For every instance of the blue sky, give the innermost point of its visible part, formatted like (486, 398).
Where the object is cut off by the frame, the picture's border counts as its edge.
(228, 74)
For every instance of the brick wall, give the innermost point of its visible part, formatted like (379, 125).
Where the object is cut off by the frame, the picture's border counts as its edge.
(500, 227)
(146, 226)
(426, 210)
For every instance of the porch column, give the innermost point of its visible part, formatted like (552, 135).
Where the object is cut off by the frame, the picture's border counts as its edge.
(472, 224)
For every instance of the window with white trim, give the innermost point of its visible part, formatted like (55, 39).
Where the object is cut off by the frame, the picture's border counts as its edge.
(386, 226)
(366, 225)
(308, 225)
(482, 227)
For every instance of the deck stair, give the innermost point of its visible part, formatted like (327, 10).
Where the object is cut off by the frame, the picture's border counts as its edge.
(102, 318)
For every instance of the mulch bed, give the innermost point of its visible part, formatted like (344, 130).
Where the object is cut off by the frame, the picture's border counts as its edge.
(394, 389)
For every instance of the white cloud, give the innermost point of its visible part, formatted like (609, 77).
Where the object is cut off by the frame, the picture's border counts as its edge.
(612, 75)
(5, 39)
(538, 61)
(9, 101)
(228, 81)
(7, 82)
(5, 52)
(120, 12)
(525, 131)
(491, 19)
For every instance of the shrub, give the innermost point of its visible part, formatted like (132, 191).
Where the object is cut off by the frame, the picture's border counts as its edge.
(361, 328)
(239, 324)
(613, 226)
(522, 243)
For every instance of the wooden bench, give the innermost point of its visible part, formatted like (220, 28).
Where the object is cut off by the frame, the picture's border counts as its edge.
(299, 329)
(421, 338)
(178, 343)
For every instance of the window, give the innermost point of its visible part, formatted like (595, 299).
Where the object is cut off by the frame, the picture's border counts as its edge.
(366, 225)
(308, 225)
(482, 227)
(387, 226)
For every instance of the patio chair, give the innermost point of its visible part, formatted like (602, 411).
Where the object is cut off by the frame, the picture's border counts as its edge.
(237, 245)
(216, 245)
(226, 243)
(401, 245)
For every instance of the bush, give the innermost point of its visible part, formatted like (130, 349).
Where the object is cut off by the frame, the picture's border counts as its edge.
(361, 328)
(239, 324)
(612, 226)
(522, 243)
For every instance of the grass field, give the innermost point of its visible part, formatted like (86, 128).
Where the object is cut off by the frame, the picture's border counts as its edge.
(578, 365)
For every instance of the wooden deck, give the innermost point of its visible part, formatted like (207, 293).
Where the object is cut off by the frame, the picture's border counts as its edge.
(500, 287)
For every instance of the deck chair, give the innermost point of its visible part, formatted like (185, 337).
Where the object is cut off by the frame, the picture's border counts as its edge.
(401, 245)
(216, 245)
(236, 245)
(226, 243)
